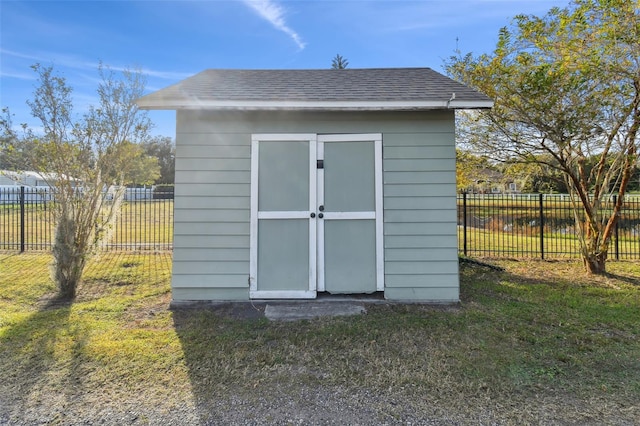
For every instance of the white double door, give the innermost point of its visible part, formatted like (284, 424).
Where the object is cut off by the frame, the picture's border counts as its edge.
(316, 215)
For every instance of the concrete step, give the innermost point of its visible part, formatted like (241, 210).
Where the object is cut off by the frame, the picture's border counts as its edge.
(309, 310)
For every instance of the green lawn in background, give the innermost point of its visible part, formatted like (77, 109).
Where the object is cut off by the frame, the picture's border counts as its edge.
(140, 224)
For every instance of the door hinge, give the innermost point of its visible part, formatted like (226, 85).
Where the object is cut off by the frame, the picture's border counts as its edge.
(320, 164)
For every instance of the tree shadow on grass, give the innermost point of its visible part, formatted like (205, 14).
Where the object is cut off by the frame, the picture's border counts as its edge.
(635, 281)
(216, 342)
(40, 364)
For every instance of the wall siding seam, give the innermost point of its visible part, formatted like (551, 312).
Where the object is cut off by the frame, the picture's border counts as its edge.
(202, 157)
(180, 234)
(419, 247)
(209, 145)
(390, 222)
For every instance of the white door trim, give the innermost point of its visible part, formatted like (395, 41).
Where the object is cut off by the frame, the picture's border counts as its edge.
(377, 214)
(316, 198)
(256, 215)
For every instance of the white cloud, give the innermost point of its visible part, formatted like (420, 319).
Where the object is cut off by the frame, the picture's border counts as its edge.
(444, 15)
(166, 75)
(274, 14)
(16, 75)
(74, 62)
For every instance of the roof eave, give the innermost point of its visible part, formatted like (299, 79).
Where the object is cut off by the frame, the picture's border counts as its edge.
(182, 104)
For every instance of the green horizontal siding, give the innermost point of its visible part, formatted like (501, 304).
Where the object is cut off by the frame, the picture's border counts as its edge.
(425, 267)
(210, 293)
(449, 294)
(187, 215)
(421, 258)
(404, 177)
(438, 141)
(212, 268)
(216, 152)
(420, 228)
(224, 164)
(213, 189)
(420, 241)
(234, 122)
(212, 177)
(225, 254)
(418, 164)
(212, 202)
(419, 280)
(439, 215)
(220, 241)
(420, 203)
(420, 254)
(211, 246)
(420, 190)
(209, 280)
(210, 139)
(431, 154)
(214, 228)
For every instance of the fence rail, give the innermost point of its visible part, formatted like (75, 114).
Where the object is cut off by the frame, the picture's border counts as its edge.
(515, 225)
(145, 221)
(536, 226)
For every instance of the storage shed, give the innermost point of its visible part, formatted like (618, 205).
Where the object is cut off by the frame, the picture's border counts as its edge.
(290, 183)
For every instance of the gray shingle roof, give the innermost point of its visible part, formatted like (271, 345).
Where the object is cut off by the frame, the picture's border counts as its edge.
(363, 89)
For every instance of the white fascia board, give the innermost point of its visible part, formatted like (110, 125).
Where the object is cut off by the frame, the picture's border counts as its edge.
(311, 105)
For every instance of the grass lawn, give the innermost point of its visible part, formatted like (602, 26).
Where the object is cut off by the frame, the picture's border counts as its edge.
(538, 343)
(141, 224)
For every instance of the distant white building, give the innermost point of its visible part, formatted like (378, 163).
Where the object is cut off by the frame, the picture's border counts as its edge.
(36, 184)
(27, 178)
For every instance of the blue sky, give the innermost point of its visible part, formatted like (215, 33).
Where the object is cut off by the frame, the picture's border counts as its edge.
(171, 40)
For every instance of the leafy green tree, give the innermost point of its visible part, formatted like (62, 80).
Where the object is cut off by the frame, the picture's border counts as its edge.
(339, 63)
(535, 176)
(88, 161)
(164, 150)
(14, 154)
(566, 88)
(134, 164)
(472, 171)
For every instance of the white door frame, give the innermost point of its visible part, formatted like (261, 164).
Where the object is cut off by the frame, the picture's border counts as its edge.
(316, 199)
(256, 215)
(377, 214)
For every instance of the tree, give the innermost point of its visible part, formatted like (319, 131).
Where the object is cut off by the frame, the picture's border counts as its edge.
(339, 63)
(163, 148)
(472, 171)
(535, 176)
(88, 161)
(14, 154)
(567, 91)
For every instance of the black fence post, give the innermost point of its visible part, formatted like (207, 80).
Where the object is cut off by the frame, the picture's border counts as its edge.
(464, 222)
(22, 219)
(615, 228)
(541, 198)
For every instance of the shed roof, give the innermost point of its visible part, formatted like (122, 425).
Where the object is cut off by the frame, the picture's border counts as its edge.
(319, 89)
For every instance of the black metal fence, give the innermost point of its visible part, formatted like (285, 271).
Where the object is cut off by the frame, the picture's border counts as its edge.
(145, 220)
(536, 226)
(518, 225)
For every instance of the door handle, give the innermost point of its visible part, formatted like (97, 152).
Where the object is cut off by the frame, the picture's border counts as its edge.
(313, 215)
(321, 208)
(320, 215)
